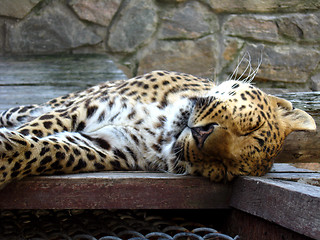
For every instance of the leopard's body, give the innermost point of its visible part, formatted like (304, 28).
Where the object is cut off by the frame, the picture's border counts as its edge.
(163, 121)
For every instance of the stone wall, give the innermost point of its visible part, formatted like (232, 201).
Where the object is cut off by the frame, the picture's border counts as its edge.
(206, 37)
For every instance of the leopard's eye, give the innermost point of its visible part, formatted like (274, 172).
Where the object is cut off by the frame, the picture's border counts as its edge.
(254, 128)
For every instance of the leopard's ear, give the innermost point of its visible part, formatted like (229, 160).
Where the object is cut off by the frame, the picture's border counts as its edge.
(294, 119)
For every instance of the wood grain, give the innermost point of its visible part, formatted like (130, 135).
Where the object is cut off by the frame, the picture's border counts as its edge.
(250, 227)
(301, 147)
(115, 190)
(286, 196)
(290, 204)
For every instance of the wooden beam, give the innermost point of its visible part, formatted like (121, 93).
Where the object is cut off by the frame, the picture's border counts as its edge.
(250, 227)
(284, 196)
(301, 147)
(115, 190)
(290, 204)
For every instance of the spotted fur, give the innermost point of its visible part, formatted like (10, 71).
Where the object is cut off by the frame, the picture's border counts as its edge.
(163, 121)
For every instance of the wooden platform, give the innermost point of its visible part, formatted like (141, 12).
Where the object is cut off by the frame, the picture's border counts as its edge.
(287, 196)
(115, 190)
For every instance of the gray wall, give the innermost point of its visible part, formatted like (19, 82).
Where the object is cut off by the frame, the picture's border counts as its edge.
(206, 38)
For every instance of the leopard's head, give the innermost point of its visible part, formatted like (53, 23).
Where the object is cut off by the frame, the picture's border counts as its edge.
(241, 127)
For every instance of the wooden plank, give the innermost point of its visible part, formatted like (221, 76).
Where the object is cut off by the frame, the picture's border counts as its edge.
(302, 147)
(294, 176)
(250, 227)
(12, 96)
(63, 70)
(134, 189)
(288, 172)
(292, 205)
(287, 168)
(115, 190)
(36, 79)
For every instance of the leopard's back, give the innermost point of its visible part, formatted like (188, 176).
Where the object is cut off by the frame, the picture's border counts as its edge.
(161, 87)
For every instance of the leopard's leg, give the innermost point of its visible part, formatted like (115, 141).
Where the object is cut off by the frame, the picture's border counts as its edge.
(59, 120)
(76, 118)
(67, 152)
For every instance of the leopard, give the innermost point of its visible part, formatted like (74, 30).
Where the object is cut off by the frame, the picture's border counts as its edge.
(160, 121)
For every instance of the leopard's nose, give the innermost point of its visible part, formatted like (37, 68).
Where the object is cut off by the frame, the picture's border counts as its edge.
(200, 134)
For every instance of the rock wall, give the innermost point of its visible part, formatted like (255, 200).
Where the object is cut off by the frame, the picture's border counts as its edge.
(207, 37)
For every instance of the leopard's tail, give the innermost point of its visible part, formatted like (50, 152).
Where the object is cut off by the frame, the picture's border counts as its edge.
(17, 116)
